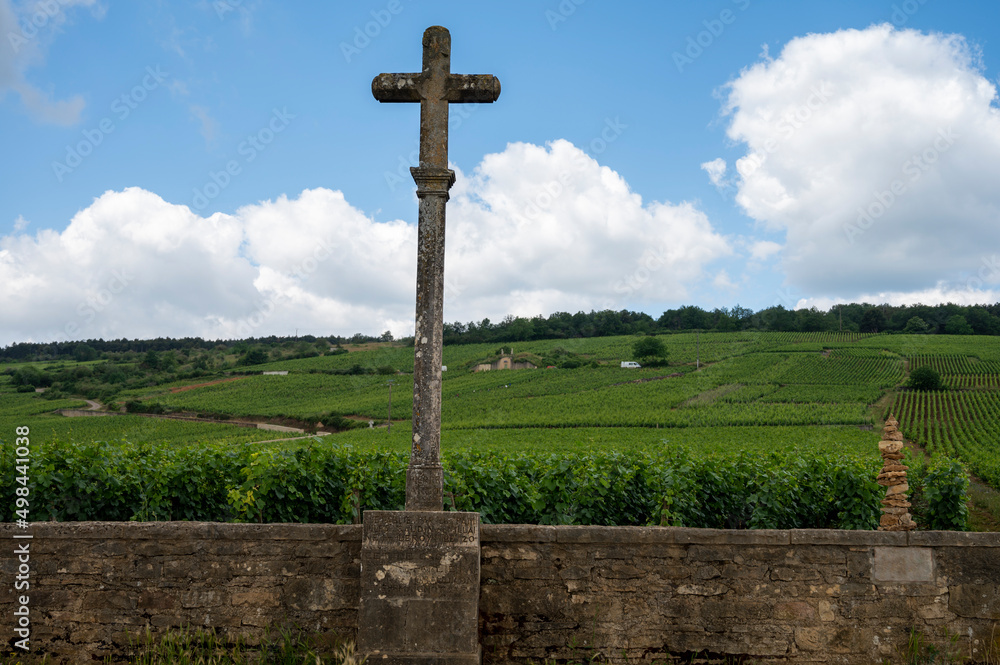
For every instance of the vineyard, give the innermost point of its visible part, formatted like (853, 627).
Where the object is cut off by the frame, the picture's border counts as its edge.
(136, 429)
(962, 424)
(774, 388)
(311, 482)
(764, 408)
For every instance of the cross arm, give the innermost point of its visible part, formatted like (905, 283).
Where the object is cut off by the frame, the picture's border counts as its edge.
(397, 87)
(459, 89)
(472, 88)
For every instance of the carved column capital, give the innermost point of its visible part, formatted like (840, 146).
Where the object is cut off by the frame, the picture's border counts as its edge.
(435, 182)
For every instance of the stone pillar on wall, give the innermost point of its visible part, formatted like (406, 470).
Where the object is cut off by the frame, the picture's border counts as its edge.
(895, 507)
(419, 588)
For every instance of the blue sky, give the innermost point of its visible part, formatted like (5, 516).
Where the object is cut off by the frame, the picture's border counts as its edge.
(607, 174)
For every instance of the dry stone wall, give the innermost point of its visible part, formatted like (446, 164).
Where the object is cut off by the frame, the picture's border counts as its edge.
(701, 595)
(93, 584)
(565, 593)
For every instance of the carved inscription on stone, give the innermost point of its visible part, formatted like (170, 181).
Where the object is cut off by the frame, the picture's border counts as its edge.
(395, 531)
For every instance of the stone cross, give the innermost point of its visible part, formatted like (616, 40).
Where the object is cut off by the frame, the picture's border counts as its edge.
(435, 87)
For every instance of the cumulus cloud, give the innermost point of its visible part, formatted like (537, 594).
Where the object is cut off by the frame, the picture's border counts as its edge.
(762, 250)
(28, 29)
(531, 230)
(937, 294)
(130, 265)
(542, 229)
(716, 170)
(875, 151)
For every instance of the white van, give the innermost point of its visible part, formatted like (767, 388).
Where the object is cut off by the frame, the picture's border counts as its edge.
(630, 364)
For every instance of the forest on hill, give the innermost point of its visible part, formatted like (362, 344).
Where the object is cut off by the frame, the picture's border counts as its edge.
(949, 319)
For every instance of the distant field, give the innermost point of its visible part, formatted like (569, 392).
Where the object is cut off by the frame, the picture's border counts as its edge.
(815, 385)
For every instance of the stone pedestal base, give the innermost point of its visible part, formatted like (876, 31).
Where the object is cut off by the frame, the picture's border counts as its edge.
(419, 588)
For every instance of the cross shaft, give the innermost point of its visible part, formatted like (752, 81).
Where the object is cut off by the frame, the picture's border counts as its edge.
(434, 88)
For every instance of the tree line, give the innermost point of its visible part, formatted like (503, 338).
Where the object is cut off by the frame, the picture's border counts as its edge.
(950, 319)
(947, 319)
(93, 349)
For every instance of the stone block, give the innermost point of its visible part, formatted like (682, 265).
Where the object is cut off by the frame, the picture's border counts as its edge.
(855, 640)
(707, 589)
(621, 572)
(202, 598)
(107, 599)
(516, 533)
(813, 639)
(576, 572)
(969, 565)
(420, 587)
(796, 611)
(257, 598)
(899, 564)
(512, 552)
(860, 564)
(795, 574)
(320, 595)
(732, 537)
(156, 600)
(979, 601)
(625, 535)
(839, 538)
(954, 539)
(536, 572)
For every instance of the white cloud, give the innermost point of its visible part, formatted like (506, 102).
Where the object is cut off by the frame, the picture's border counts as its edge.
(762, 250)
(723, 282)
(532, 230)
(44, 109)
(560, 231)
(130, 264)
(941, 293)
(876, 152)
(716, 170)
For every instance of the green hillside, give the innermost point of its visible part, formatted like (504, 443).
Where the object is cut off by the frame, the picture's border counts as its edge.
(719, 395)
